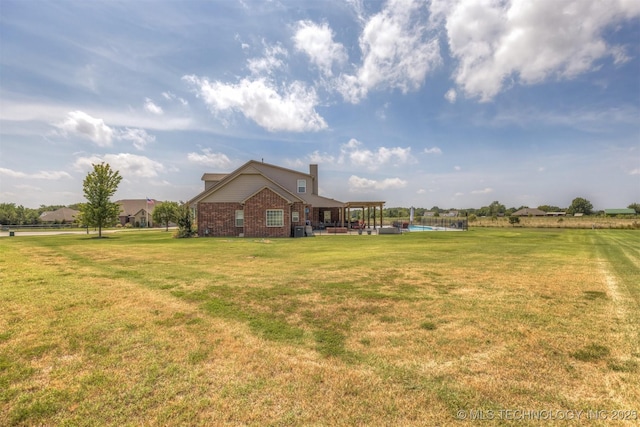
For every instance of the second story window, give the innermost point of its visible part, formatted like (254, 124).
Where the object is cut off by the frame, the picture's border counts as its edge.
(302, 186)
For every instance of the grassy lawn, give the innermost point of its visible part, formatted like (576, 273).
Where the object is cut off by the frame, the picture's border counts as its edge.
(140, 328)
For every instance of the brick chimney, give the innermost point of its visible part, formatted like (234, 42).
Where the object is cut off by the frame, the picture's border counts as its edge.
(313, 171)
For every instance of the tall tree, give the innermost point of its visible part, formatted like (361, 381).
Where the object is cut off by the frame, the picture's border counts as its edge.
(165, 213)
(580, 205)
(635, 207)
(99, 186)
(496, 208)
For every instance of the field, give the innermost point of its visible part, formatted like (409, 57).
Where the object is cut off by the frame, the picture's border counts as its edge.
(586, 222)
(421, 329)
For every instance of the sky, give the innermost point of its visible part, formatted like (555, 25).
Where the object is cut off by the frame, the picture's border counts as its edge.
(445, 103)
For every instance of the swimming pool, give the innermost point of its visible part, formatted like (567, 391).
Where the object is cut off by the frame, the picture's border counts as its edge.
(422, 228)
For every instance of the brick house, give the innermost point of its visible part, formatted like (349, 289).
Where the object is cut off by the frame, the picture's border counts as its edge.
(262, 200)
(137, 212)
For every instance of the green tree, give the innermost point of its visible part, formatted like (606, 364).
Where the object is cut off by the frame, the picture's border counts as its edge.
(8, 213)
(496, 208)
(184, 219)
(165, 213)
(580, 205)
(635, 207)
(99, 186)
(513, 220)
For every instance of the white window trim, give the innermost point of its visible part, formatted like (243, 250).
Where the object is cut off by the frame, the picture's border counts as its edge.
(295, 216)
(281, 217)
(239, 217)
(303, 186)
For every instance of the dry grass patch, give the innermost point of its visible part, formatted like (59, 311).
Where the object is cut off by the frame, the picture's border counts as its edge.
(145, 329)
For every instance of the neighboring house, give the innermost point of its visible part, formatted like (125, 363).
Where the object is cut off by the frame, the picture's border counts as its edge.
(612, 212)
(62, 215)
(263, 200)
(529, 212)
(137, 212)
(556, 214)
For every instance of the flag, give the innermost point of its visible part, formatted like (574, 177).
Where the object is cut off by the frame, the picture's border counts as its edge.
(149, 201)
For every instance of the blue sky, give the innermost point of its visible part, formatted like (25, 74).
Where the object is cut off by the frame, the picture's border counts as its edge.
(418, 103)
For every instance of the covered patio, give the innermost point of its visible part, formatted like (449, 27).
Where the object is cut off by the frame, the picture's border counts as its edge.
(371, 212)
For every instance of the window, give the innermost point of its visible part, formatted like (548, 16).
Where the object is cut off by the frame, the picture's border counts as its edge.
(327, 217)
(239, 218)
(275, 218)
(295, 216)
(302, 186)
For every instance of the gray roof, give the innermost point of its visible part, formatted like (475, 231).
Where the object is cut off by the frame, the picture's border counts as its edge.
(267, 171)
(62, 214)
(529, 212)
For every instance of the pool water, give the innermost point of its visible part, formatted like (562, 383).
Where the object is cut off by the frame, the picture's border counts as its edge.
(421, 228)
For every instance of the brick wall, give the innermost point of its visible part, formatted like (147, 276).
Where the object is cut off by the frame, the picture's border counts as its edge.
(255, 215)
(219, 219)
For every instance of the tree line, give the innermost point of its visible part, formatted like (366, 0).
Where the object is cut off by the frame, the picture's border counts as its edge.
(10, 214)
(101, 183)
(99, 211)
(579, 205)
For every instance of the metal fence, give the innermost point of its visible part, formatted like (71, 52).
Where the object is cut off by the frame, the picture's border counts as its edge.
(39, 227)
(458, 223)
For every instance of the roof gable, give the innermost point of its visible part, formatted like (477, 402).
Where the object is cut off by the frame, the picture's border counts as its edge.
(278, 193)
(130, 207)
(275, 175)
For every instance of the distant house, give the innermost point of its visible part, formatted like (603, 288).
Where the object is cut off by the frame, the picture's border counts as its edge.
(137, 212)
(263, 200)
(612, 212)
(62, 215)
(529, 212)
(556, 213)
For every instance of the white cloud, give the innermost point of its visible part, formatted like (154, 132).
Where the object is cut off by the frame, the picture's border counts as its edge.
(317, 157)
(152, 108)
(359, 156)
(48, 175)
(635, 171)
(433, 150)
(317, 42)
(83, 125)
(457, 168)
(501, 42)
(139, 137)
(358, 184)
(209, 158)
(258, 100)
(451, 96)
(172, 97)
(398, 51)
(269, 62)
(483, 191)
(129, 165)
